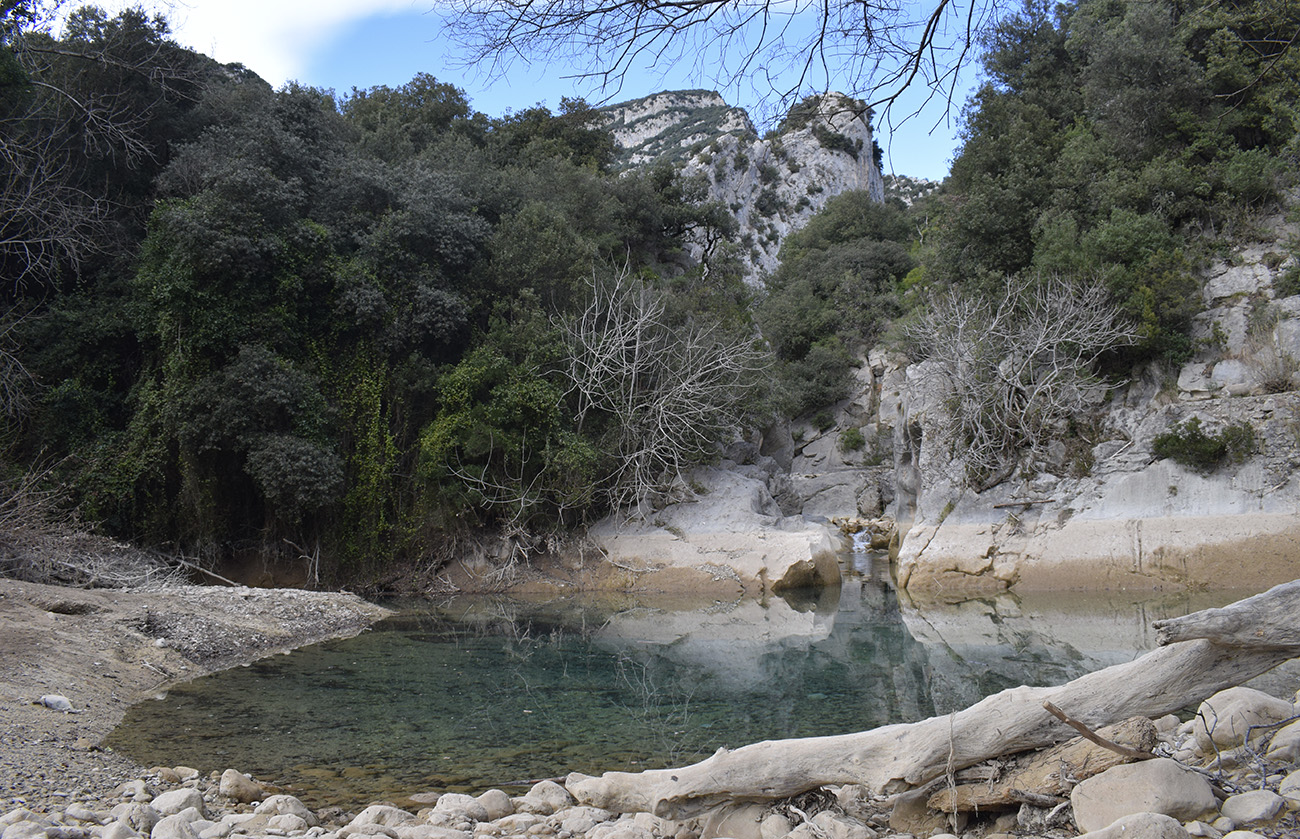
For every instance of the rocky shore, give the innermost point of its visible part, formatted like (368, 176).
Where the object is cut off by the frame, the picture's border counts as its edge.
(102, 650)
(1231, 771)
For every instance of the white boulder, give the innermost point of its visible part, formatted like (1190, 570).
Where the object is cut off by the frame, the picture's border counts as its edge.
(1223, 720)
(1151, 786)
(1141, 826)
(174, 801)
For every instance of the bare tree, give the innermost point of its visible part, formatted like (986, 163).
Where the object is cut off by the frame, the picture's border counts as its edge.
(1012, 370)
(668, 392)
(65, 103)
(869, 48)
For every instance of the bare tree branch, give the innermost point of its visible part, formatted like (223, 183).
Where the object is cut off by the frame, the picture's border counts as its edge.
(670, 392)
(1011, 371)
(61, 113)
(872, 49)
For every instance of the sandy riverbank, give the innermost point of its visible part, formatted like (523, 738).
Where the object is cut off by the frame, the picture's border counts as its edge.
(105, 649)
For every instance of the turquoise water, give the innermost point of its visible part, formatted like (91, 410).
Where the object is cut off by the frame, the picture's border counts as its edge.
(475, 693)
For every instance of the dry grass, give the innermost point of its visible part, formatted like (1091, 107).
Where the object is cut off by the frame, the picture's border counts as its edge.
(42, 541)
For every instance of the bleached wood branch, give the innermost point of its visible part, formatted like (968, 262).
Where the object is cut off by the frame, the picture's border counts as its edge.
(1266, 621)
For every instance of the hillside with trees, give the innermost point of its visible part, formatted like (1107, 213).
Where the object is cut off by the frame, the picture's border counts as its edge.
(378, 330)
(358, 329)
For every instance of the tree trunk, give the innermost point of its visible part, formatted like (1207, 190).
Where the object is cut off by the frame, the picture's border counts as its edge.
(896, 757)
(1266, 621)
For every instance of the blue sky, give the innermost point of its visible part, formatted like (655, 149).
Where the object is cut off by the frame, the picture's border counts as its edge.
(342, 44)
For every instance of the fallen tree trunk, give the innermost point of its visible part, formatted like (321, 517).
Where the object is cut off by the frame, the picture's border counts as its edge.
(1269, 620)
(1051, 772)
(897, 757)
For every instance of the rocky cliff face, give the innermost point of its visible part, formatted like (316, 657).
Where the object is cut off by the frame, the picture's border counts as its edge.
(1102, 510)
(772, 184)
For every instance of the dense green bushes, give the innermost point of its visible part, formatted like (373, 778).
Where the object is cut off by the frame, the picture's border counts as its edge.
(1119, 141)
(340, 331)
(1190, 445)
(837, 285)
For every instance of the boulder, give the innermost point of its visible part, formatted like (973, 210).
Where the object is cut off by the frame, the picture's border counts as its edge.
(381, 814)
(119, 830)
(55, 702)
(370, 829)
(774, 826)
(81, 813)
(281, 805)
(550, 794)
(177, 826)
(459, 805)
(621, 829)
(1223, 720)
(1141, 826)
(496, 803)
(24, 830)
(427, 831)
(741, 820)
(1151, 786)
(288, 822)
(1289, 789)
(174, 801)
(22, 814)
(1259, 805)
(577, 820)
(520, 823)
(137, 816)
(238, 786)
(912, 815)
(1285, 746)
(831, 825)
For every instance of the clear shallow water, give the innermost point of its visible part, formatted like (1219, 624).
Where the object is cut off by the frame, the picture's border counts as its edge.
(475, 693)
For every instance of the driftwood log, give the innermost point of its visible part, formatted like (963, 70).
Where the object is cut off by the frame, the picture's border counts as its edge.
(898, 757)
(1048, 773)
(1266, 621)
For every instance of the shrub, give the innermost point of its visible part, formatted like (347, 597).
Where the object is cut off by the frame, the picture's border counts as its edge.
(835, 141)
(852, 440)
(1188, 444)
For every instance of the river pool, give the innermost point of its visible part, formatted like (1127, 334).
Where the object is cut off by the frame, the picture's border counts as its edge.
(471, 693)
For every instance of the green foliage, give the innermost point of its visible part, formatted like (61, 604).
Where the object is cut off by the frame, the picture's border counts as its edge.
(835, 141)
(1108, 141)
(852, 440)
(333, 323)
(501, 445)
(837, 285)
(1188, 444)
(400, 123)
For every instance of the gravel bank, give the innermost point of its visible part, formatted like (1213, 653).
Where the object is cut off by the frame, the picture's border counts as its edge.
(105, 649)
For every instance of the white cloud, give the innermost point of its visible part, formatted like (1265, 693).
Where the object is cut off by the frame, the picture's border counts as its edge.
(273, 38)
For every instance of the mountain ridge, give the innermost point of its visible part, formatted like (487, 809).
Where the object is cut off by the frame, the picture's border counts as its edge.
(771, 184)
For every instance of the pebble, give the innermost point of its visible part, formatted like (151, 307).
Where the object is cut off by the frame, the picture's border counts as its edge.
(55, 702)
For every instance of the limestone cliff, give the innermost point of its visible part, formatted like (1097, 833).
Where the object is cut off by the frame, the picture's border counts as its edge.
(1100, 509)
(772, 184)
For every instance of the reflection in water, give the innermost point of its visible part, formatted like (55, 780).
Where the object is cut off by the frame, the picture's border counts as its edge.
(482, 692)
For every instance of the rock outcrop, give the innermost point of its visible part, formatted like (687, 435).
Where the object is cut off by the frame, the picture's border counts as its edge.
(730, 534)
(1100, 509)
(772, 184)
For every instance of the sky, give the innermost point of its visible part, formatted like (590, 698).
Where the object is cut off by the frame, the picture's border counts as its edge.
(341, 44)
